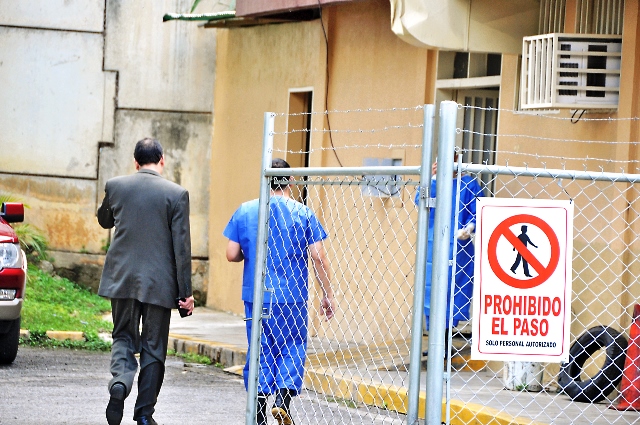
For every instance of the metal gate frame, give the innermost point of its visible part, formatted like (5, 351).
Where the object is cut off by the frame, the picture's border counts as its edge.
(447, 138)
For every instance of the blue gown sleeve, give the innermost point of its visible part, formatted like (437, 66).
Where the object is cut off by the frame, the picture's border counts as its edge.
(470, 191)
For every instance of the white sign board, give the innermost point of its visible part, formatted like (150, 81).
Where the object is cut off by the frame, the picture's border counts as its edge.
(522, 280)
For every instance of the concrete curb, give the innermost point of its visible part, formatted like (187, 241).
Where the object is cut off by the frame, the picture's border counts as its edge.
(225, 354)
(65, 335)
(331, 382)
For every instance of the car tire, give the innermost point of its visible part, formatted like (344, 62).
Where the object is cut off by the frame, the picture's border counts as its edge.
(605, 381)
(9, 342)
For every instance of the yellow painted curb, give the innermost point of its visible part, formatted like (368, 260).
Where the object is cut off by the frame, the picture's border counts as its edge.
(64, 335)
(392, 397)
(476, 414)
(236, 370)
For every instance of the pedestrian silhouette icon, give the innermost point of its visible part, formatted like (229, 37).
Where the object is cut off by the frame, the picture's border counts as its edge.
(524, 238)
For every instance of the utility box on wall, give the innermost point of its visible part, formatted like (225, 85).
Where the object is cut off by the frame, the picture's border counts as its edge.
(576, 71)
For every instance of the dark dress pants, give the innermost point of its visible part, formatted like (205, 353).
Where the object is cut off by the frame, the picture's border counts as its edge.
(151, 343)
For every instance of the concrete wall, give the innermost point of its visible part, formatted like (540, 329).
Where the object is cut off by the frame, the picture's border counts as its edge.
(82, 82)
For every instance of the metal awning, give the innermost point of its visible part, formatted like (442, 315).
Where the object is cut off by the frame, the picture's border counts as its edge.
(228, 19)
(229, 14)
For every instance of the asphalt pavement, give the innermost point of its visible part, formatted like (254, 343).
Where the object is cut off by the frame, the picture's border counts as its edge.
(61, 386)
(344, 384)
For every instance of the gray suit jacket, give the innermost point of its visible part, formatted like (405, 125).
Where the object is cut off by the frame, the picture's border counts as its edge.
(149, 258)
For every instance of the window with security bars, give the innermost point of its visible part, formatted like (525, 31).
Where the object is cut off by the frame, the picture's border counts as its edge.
(479, 122)
(599, 16)
(592, 16)
(552, 16)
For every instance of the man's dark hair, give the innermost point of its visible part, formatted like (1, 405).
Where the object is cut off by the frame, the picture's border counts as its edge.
(147, 151)
(279, 182)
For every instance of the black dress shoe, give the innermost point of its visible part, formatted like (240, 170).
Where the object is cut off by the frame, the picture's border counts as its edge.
(116, 403)
(146, 420)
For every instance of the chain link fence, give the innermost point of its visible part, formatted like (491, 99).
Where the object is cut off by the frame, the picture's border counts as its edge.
(368, 364)
(584, 390)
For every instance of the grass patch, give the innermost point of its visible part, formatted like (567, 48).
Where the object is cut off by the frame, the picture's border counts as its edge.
(343, 401)
(193, 358)
(55, 303)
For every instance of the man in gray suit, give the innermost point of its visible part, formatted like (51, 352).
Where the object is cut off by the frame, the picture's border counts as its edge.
(147, 272)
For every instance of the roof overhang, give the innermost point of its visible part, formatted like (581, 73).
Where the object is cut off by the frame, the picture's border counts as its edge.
(255, 8)
(277, 18)
(230, 18)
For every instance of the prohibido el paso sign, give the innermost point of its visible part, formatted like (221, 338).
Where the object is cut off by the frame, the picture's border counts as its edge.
(522, 280)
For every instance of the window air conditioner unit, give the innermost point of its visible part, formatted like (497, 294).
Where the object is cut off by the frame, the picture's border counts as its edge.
(576, 71)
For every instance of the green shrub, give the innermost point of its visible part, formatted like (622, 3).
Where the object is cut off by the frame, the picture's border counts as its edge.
(33, 242)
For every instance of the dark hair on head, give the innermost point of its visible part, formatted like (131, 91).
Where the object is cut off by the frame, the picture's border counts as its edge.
(279, 182)
(147, 151)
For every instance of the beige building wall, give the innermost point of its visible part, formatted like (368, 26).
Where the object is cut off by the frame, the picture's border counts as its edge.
(367, 66)
(371, 67)
(257, 66)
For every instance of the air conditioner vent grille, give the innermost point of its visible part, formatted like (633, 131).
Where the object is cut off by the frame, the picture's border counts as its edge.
(594, 61)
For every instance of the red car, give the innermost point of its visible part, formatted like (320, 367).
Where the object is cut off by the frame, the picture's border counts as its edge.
(13, 279)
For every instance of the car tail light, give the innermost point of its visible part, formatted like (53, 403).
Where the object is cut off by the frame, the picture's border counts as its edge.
(10, 256)
(8, 294)
(12, 212)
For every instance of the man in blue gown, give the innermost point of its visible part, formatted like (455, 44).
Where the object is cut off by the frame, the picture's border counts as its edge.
(461, 233)
(294, 234)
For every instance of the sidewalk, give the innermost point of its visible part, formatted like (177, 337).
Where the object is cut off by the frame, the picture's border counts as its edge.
(372, 376)
(222, 337)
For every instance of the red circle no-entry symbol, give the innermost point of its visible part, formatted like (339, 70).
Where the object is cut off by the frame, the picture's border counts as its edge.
(544, 272)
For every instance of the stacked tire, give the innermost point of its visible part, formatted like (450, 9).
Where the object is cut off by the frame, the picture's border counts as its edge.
(608, 377)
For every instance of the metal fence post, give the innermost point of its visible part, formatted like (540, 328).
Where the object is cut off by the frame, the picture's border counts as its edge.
(261, 255)
(440, 261)
(449, 335)
(420, 266)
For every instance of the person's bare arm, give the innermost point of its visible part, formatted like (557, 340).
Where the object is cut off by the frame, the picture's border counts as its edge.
(322, 271)
(234, 252)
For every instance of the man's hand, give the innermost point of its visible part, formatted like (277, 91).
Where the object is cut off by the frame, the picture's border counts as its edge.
(465, 233)
(187, 304)
(328, 308)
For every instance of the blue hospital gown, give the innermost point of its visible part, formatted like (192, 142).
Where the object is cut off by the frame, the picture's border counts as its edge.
(463, 289)
(283, 343)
